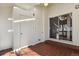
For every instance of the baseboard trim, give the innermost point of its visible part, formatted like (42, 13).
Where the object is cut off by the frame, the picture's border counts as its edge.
(21, 48)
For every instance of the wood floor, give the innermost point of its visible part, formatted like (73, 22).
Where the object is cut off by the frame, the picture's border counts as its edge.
(5, 51)
(45, 49)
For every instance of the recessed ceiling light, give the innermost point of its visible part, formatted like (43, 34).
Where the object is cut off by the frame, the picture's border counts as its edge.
(15, 7)
(45, 4)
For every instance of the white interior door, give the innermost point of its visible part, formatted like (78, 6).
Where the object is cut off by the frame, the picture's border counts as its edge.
(27, 33)
(23, 34)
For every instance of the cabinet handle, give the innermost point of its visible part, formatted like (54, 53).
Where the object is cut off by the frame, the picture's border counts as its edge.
(21, 33)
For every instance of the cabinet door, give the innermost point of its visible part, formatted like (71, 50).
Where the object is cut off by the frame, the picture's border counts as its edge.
(27, 33)
(16, 35)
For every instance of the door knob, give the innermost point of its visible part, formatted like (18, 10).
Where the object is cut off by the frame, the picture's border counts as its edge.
(21, 33)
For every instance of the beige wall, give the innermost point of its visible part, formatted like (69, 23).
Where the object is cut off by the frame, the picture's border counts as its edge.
(60, 9)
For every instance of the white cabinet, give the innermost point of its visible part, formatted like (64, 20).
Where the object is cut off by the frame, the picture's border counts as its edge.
(26, 33)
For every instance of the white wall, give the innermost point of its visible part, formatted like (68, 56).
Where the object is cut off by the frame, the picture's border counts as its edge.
(46, 23)
(40, 17)
(60, 9)
(5, 36)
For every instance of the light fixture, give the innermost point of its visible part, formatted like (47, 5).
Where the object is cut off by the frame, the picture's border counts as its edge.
(10, 18)
(45, 4)
(15, 7)
(29, 19)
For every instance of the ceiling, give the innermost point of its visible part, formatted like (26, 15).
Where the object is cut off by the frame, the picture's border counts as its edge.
(26, 5)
